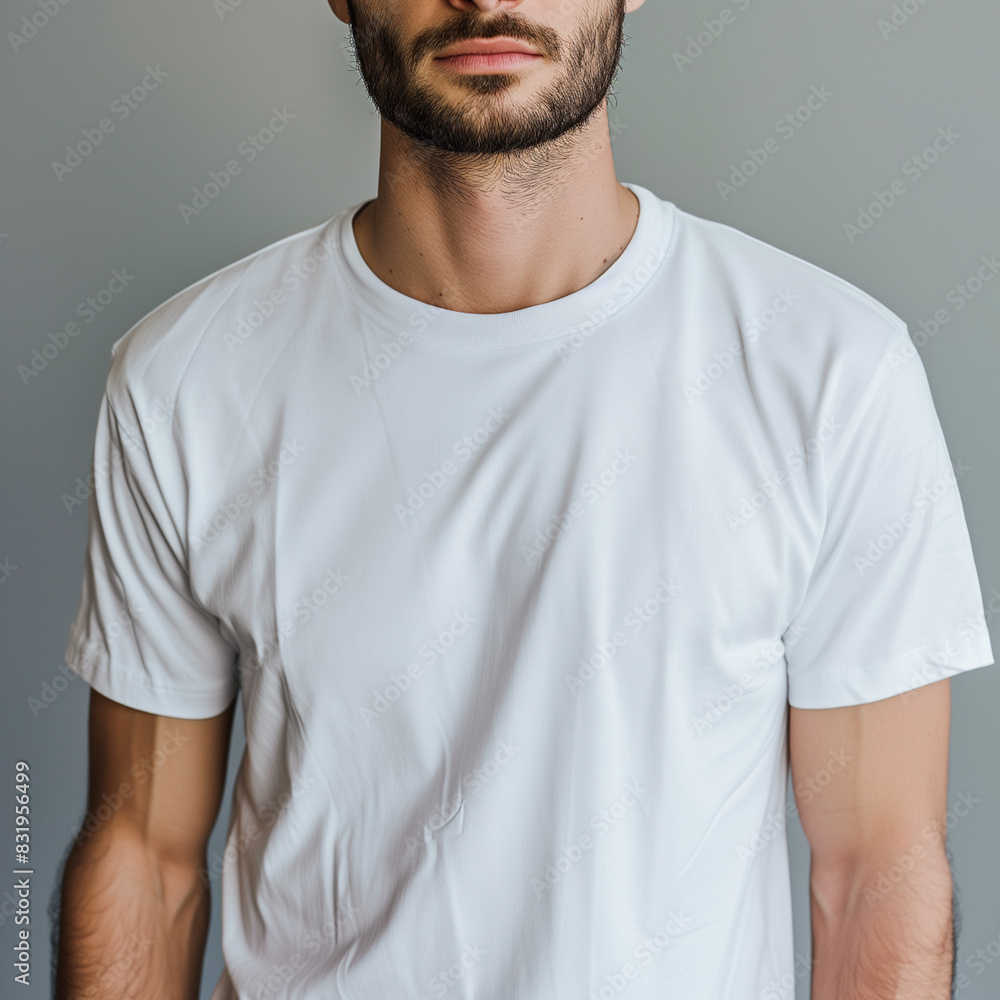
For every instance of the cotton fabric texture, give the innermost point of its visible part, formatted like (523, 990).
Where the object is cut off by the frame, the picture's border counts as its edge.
(517, 602)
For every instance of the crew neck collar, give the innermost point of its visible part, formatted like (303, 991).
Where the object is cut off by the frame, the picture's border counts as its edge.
(579, 311)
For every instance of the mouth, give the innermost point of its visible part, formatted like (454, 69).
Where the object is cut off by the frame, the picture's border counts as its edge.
(485, 55)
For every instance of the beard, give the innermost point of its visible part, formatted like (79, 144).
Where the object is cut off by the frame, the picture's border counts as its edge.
(481, 124)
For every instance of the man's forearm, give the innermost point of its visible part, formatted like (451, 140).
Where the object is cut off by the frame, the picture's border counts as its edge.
(883, 930)
(131, 926)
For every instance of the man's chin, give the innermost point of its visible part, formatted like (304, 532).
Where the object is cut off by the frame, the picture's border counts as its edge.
(484, 147)
(473, 133)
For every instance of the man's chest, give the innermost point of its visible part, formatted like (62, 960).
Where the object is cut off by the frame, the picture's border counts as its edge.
(418, 555)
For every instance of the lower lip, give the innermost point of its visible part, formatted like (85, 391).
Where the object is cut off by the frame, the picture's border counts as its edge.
(471, 62)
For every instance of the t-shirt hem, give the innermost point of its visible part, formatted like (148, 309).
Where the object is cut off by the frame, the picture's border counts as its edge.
(135, 692)
(861, 684)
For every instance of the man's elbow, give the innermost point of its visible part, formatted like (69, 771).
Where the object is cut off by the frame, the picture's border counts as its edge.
(902, 875)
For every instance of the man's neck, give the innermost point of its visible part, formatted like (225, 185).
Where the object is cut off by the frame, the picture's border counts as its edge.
(494, 237)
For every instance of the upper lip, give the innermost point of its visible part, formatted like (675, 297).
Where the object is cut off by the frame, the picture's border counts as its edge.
(487, 46)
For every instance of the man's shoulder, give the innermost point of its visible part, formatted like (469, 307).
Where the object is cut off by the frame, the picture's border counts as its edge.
(749, 262)
(222, 323)
(790, 309)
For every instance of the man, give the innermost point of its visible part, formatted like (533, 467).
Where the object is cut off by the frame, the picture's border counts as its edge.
(539, 523)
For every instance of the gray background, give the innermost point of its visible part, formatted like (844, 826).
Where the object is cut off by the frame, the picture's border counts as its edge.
(678, 133)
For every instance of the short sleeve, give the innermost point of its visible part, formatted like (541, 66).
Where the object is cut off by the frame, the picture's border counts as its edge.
(893, 601)
(139, 637)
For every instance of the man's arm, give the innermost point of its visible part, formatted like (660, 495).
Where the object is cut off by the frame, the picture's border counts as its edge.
(880, 882)
(134, 911)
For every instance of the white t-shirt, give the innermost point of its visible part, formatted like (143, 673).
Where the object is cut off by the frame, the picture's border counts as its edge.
(517, 602)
